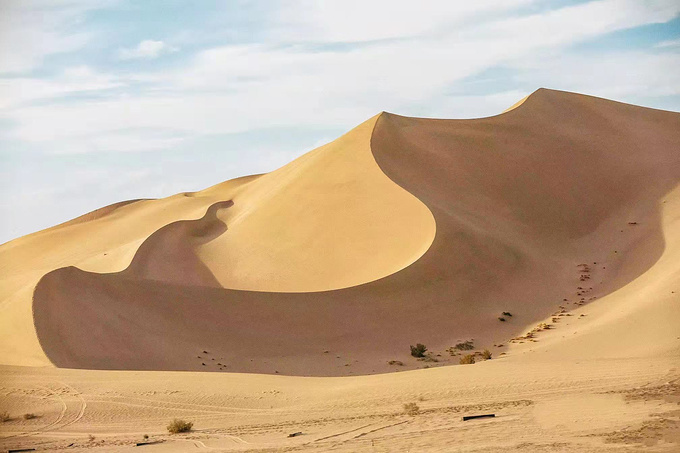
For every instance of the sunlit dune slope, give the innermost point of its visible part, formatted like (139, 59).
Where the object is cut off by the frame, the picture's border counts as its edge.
(404, 230)
(327, 220)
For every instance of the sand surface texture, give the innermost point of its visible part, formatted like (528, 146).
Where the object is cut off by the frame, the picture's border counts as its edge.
(563, 211)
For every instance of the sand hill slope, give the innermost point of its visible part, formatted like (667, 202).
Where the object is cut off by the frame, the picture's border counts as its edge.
(404, 230)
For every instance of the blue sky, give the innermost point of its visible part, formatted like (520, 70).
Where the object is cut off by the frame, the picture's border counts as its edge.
(103, 101)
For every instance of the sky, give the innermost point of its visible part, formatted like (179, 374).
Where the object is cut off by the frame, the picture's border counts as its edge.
(111, 100)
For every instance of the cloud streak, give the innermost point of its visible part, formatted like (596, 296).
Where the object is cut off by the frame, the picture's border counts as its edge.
(147, 49)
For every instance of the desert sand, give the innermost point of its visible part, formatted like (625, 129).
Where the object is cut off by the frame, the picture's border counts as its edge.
(274, 304)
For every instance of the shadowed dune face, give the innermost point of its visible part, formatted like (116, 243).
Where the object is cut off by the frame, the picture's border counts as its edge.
(169, 255)
(519, 201)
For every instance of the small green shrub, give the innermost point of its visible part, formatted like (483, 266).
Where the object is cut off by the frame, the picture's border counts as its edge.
(179, 426)
(411, 409)
(467, 359)
(486, 354)
(418, 350)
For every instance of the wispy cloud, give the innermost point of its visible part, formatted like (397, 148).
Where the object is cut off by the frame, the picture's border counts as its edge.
(147, 49)
(669, 43)
(33, 30)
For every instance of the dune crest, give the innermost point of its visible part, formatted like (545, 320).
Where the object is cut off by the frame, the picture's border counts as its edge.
(330, 219)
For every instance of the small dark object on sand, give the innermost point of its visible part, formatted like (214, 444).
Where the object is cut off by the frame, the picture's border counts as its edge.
(299, 433)
(470, 417)
(507, 313)
(501, 319)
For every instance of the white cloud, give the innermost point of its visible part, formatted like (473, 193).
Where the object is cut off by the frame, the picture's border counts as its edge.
(359, 20)
(16, 91)
(670, 43)
(32, 30)
(238, 88)
(147, 49)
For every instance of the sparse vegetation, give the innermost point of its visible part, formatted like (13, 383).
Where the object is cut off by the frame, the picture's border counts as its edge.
(486, 354)
(418, 350)
(502, 319)
(411, 409)
(90, 437)
(179, 426)
(4, 417)
(467, 359)
(428, 358)
(507, 313)
(396, 362)
(29, 416)
(146, 437)
(465, 346)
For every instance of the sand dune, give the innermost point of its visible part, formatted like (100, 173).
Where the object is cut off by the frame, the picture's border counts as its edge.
(519, 200)
(564, 210)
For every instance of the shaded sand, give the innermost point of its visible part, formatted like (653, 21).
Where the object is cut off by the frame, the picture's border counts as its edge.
(520, 200)
(103, 243)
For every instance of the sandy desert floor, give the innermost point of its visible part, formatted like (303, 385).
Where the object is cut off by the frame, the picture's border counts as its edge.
(604, 405)
(131, 301)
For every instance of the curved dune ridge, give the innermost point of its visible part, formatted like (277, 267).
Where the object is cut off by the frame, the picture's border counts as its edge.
(404, 230)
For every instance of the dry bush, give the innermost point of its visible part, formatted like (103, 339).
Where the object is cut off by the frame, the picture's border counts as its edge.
(29, 416)
(486, 354)
(4, 417)
(418, 350)
(465, 346)
(179, 426)
(467, 359)
(411, 409)
(396, 362)
(428, 358)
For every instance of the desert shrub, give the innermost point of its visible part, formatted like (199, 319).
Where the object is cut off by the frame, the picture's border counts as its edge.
(179, 426)
(486, 354)
(467, 359)
(90, 437)
(507, 313)
(146, 437)
(418, 350)
(465, 346)
(29, 416)
(411, 409)
(4, 417)
(502, 319)
(396, 362)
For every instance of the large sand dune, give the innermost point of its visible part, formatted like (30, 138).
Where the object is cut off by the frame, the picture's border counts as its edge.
(564, 210)
(404, 230)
